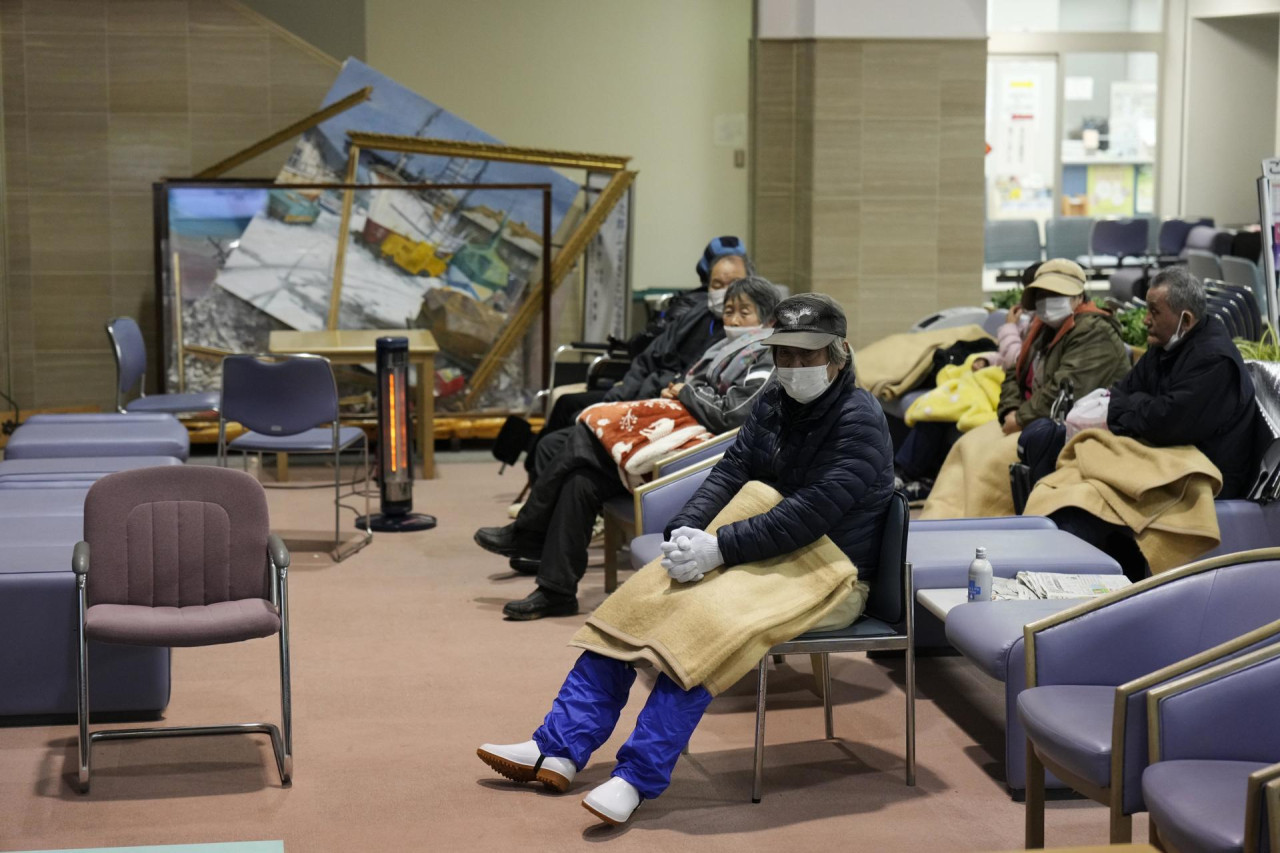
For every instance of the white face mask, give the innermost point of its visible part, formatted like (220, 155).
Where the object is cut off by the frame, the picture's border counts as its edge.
(804, 384)
(735, 332)
(1053, 310)
(715, 301)
(1178, 333)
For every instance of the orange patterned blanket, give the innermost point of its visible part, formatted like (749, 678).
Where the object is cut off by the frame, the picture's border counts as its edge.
(637, 434)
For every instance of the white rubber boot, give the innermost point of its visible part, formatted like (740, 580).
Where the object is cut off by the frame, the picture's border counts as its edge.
(524, 762)
(613, 802)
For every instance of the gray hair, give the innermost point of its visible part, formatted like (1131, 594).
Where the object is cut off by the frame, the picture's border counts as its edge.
(762, 292)
(1186, 292)
(836, 354)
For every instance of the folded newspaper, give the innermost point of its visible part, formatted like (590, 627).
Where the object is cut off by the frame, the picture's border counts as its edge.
(1033, 585)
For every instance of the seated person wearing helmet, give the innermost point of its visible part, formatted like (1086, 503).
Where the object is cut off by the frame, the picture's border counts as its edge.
(693, 321)
(818, 439)
(552, 531)
(1190, 387)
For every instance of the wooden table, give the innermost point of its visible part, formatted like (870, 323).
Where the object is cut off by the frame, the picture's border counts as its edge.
(358, 346)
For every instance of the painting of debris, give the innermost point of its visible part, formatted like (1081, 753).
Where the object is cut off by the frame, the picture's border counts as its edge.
(458, 262)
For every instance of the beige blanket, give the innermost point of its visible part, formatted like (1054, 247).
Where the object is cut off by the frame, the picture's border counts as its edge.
(974, 479)
(1163, 494)
(715, 631)
(892, 366)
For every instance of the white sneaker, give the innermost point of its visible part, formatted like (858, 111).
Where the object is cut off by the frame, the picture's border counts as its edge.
(523, 762)
(613, 802)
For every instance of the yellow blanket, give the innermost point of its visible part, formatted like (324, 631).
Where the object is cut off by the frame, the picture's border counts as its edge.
(974, 480)
(1163, 494)
(964, 397)
(892, 366)
(715, 631)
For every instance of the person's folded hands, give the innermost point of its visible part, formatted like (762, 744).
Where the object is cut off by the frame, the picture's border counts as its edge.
(690, 554)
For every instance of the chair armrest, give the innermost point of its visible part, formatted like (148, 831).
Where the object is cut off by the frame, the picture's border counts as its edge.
(1272, 796)
(1222, 712)
(80, 558)
(1116, 638)
(278, 552)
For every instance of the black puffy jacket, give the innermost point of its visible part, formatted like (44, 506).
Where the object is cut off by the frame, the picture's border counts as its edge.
(833, 463)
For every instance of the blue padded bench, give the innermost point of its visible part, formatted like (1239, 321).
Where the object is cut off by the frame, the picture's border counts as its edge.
(72, 472)
(97, 435)
(38, 643)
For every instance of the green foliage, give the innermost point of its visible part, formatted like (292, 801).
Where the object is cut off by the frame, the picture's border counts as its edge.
(1131, 329)
(1007, 299)
(1267, 349)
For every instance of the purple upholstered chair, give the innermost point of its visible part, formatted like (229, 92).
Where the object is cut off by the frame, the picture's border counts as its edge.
(181, 556)
(1113, 241)
(1090, 669)
(283, 402)
(130, 352)
(1213, 747)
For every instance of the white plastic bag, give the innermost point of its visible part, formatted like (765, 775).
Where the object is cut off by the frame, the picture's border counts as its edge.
(1089, 412)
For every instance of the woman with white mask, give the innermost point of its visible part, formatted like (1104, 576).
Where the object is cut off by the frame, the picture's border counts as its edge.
(1070, 339)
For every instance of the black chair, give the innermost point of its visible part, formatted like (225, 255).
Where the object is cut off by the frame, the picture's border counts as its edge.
(887, 624)
(1246, 307)
(1225, 308)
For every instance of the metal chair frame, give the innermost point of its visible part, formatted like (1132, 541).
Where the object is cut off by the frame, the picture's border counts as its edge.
(340, 552)
(142, 383)
(281, 736)
(819, 648)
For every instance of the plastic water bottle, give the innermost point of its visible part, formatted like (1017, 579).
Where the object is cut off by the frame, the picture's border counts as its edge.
(980, 577)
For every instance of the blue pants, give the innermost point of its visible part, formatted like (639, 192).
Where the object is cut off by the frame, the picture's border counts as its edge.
(586, 711)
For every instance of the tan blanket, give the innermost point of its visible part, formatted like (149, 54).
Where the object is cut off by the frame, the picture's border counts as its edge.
(892, 366)
(715, 631)
(1163, 494)
(974, 479)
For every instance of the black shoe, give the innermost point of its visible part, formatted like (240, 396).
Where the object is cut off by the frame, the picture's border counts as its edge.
(541, 602)
(507, 541)
(525, 565)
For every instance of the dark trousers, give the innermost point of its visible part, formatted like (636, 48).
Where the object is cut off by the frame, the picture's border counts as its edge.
(586, 711)
(563, 505)
(1039, 445)
(925, 449)
(563, 414)
(1114, 539)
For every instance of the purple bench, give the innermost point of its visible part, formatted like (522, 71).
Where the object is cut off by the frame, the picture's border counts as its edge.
(71, 472)
(98, 435)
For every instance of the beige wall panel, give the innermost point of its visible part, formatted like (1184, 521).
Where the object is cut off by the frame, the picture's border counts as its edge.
(959, 289)
(215, 137)
(66, 74)
(962, 68)
(135, 85)
(900, 158)
(296, 77)
(899, 237)
(65, 16)
(13, 64)
(18, 238)
(134, 295)
(230, 73)
(67, 152)
(960, 161)
(775, 155)
(21, 326)
(837, 80)
(843, 289)
(211, 16)
(266, 165)
(836, 240)
(147, 16)
(772, 251)
(69, 233)
(11, 17)
(23, 370)
(802, 251)
(960, 228)
(775, 79)
(900, 80)
(131, 233)
(70, 311)
(837, 158)
(887, 305)
(16, 170)
(74, 378)
(145, 148)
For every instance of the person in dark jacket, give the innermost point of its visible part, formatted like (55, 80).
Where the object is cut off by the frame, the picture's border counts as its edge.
(692, 323)
(815, 437)
(1191, 387)
(551, 533)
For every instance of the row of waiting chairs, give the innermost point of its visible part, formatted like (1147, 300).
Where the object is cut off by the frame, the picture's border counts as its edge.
(1013, 244)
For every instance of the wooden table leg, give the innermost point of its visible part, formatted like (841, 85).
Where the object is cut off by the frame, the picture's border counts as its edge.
(426, 415)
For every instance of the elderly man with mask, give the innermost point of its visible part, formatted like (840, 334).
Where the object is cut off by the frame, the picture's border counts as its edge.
(1190, 388)
(818, 439)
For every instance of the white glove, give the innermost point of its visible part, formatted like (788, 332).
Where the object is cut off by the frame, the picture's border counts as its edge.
(691, 554)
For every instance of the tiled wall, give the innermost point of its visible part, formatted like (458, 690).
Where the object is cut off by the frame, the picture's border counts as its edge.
(868, 174)
(100, 99)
